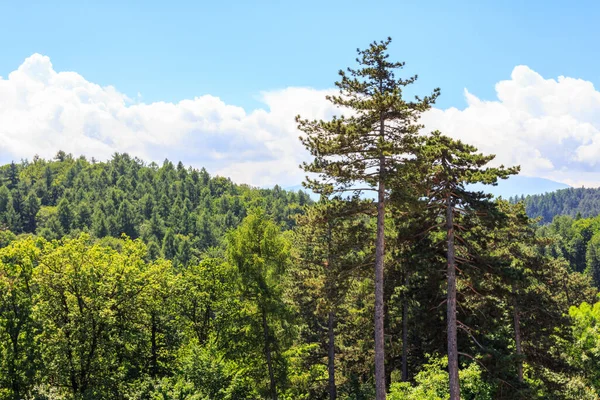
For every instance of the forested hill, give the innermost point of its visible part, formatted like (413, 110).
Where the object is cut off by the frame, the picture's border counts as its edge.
(177, 211)
(571, 201)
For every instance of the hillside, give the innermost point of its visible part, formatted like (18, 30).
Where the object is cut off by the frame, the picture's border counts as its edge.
(571, 201)
(177, 211)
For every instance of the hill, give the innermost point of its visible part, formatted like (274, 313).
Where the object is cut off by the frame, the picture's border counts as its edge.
(177, 211)
(571, 201)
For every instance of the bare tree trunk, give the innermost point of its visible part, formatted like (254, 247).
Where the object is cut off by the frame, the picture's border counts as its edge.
(405, 333)
(451, 304)
(331, 357)
(272, 387)
(379, 336)
(379, 253)
(517, 327)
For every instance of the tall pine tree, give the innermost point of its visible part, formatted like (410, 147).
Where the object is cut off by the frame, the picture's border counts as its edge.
(451, 166)
(366, 148)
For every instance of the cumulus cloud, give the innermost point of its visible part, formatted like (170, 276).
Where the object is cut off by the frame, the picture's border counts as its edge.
(549, 127)
(43, 111)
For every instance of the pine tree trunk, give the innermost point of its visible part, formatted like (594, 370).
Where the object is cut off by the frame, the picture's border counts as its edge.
(272, 387)
(405, 334)
(379, 335)
(517, 327)
(331, 357)
(379, 253)
(451, 304)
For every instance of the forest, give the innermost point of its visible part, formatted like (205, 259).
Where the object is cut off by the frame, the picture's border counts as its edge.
(123, 279)
(575, 202)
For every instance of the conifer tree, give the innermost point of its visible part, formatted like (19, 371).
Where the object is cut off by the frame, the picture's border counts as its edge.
(366, 149)
(5, 198)
(125, 219)
(451, 166)
(99, 224)
(593, 259)
(13, 176)
(83, 216)
(12, 219)
(30, 210)
(331, 241)
(169, 247)
(65, 214)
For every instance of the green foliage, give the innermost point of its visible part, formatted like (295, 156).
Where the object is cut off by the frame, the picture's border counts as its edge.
(431, 383)
(582, 202)
(19, 349)
(91, 301)
(585, 349)
(125, 195)
(260, 254)
(127, 280)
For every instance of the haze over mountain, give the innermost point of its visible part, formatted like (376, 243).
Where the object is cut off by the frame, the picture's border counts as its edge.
(516, 185)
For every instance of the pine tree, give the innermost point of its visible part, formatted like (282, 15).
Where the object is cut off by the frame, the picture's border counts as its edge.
(169, 248)
(12, 219)
(65, 214)
(5, 198)
(593, 259)
(366, 149)
(99, 224)
(13, 176)
(451, 165)
(83, 216)
(125, 219)
(30, 210)
(330, 240)
(156, 224)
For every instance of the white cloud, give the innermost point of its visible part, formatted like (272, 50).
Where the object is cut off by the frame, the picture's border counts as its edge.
(549, 127)
(43, 111)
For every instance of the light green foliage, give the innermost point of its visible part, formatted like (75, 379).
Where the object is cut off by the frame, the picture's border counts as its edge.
(585, 351)
(260, 254)
(6, 237)
(592, 258)
(19, 351)
(431, 383)
(91, 304)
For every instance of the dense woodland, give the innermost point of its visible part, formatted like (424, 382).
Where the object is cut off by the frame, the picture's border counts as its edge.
(126, 280)
(582, 202)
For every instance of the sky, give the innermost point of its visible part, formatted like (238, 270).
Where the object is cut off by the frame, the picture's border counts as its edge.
(217, 84)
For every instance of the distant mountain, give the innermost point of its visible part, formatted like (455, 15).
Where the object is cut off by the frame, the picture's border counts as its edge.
(521, 185)
(511, 187)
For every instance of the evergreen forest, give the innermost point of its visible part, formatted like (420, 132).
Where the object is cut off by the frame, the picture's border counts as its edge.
(575, 202)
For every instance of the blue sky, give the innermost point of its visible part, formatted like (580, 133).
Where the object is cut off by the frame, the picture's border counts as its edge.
(220, 82)
(176, 50)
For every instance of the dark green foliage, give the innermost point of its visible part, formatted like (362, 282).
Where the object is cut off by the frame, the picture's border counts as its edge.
(127, 196)
(581, 202)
